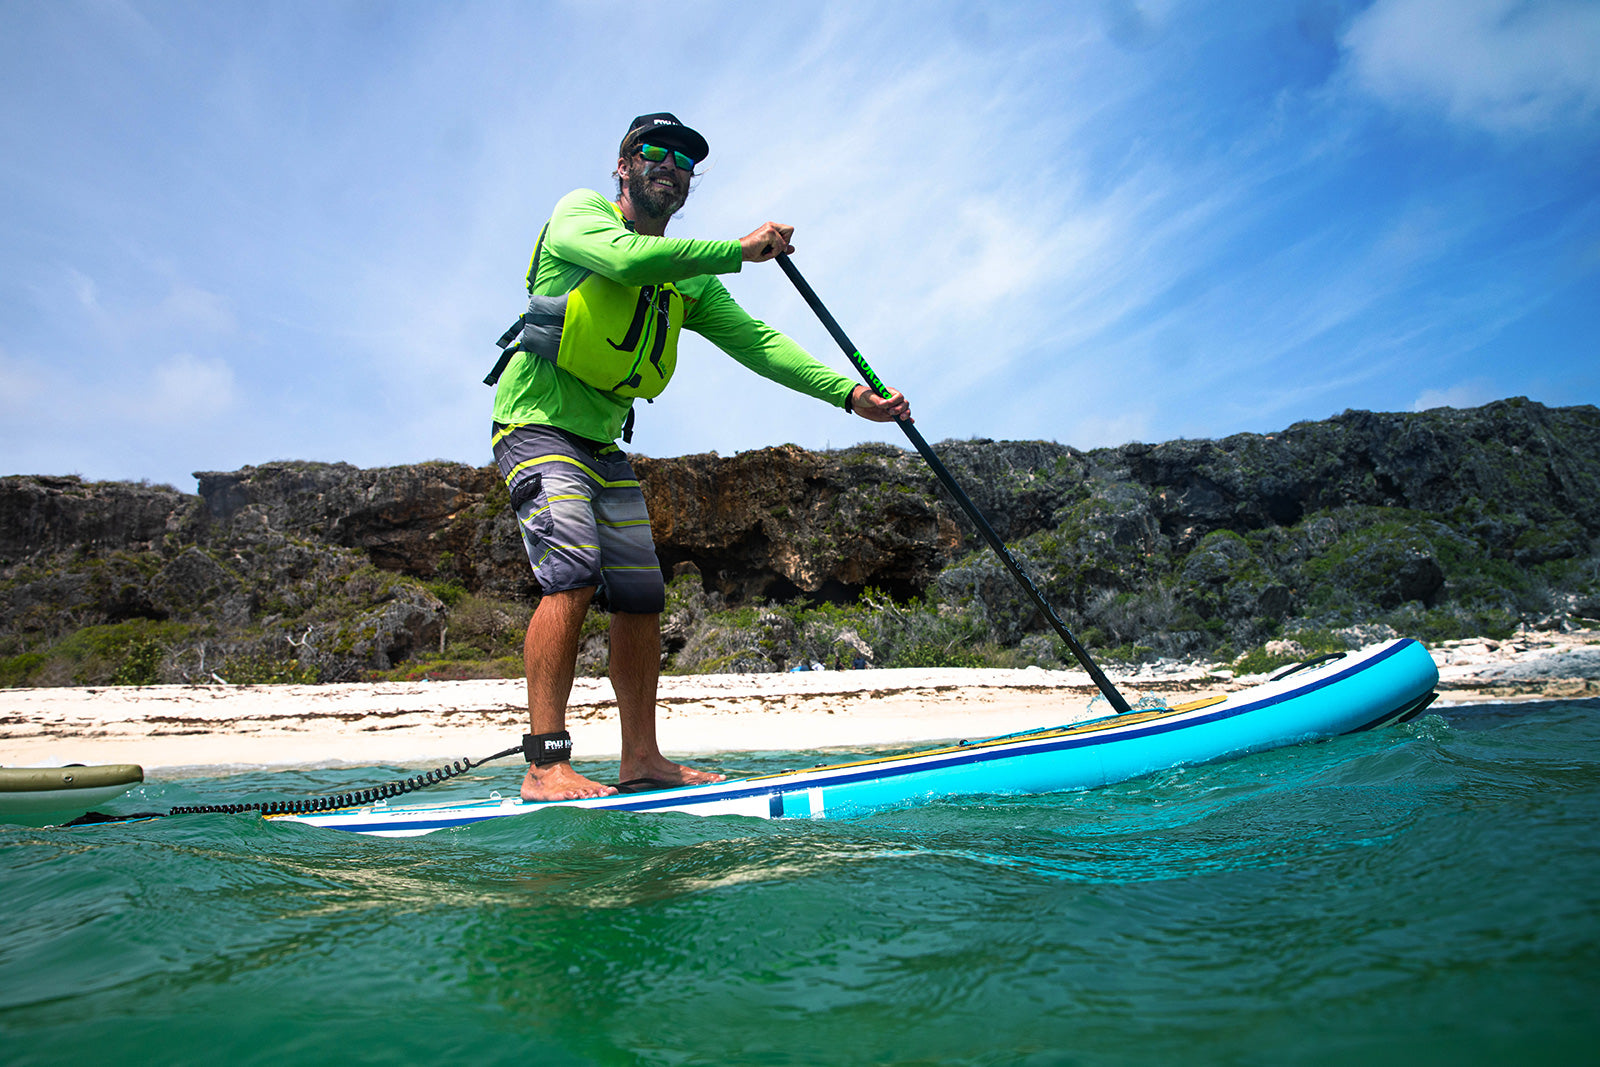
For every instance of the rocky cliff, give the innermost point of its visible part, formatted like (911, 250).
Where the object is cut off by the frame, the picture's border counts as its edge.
(1442, 522)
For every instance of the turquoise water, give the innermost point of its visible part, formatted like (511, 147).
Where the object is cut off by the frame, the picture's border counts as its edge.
(1427, 893)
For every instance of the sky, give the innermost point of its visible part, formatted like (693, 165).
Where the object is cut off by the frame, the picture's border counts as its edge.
(235, 233)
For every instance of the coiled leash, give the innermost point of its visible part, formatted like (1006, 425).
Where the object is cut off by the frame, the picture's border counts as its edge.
(538, 749)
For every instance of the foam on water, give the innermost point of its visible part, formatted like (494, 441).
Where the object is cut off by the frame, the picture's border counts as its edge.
(1424, 893)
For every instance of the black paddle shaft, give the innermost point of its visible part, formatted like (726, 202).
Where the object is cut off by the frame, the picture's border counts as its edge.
(1100, 680)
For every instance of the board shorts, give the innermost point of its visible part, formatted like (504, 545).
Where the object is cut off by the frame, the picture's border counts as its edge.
(582, 516)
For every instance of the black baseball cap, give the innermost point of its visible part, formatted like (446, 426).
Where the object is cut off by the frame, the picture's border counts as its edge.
(664, 129)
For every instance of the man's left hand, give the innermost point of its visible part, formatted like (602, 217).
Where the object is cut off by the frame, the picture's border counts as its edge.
(869, 405)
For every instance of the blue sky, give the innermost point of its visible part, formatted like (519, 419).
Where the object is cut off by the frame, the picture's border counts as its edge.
(233, 233)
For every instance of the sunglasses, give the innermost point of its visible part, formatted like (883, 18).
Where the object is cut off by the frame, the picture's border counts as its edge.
(657, 154)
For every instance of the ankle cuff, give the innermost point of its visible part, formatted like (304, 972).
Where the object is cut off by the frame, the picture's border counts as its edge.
(543, 749)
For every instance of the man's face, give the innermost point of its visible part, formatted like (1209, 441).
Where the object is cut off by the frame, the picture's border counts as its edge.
(656, 189)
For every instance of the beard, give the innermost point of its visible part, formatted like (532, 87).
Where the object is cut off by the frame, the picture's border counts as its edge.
(651, 199)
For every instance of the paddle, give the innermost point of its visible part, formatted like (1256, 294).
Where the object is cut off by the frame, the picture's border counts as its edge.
(944, 476)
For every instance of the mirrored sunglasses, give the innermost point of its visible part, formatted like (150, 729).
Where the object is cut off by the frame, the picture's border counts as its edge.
(656, 154)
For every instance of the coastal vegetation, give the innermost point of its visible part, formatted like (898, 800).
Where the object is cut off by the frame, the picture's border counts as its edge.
(1250, 551)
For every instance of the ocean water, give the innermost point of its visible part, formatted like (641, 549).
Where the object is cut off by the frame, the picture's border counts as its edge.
(1423, 894)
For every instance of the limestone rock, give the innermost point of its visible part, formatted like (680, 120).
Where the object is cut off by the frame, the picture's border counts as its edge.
(1380, 521)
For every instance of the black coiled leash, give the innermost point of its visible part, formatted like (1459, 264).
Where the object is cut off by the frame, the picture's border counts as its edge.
(536, 748)
(346, 800)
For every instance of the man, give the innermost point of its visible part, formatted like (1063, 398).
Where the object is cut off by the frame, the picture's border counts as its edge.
(608, 293)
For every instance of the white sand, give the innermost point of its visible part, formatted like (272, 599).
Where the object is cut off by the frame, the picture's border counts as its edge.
(173, 728)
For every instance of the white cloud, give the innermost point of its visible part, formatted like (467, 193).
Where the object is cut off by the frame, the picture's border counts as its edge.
(21, 386)
(1469, 394)
(189, 310)
(132, 365)
(1111, 428)
(84, 291)
(1504, 65)
(946, 218)
(1135, 25)
(1127, 218)
(123, 314)
(186, 388)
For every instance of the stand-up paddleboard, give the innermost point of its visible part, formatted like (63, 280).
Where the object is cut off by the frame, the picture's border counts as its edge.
(1345, 694)
(40, 796)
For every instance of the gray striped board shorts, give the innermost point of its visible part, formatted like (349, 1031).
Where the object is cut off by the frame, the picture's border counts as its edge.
(583, 518)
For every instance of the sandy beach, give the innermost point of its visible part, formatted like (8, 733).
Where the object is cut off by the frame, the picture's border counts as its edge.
(176, 730)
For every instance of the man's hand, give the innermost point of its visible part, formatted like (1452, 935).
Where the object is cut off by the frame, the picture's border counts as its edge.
(768, 242)
(870, 405)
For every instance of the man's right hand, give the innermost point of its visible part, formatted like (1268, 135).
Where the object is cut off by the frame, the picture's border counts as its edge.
(768, 242)
(870, 405)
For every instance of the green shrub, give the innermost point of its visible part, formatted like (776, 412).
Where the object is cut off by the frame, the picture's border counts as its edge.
(1454, 622)
(446, 669)
(95, 655)
(141, 664)
(18, 670)
(1128, 653)
(450, 592)
(1313, 642)
(258, 669)
(926, 654)
(482, 627)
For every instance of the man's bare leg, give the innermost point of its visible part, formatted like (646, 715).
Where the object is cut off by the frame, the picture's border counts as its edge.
(550, 657)
(635, 669)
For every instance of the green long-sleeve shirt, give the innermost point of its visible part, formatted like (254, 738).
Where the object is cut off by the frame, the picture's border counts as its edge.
(587, 234)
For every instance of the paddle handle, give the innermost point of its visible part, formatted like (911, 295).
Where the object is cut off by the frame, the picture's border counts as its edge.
(871, 378)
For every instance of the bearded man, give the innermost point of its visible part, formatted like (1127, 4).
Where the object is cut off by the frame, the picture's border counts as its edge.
(608, 294)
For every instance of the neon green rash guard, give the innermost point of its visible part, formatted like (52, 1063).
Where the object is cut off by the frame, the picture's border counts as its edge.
(587, 233)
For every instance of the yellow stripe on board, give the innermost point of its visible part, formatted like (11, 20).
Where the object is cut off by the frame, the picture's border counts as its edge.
(1043, 735)
(1195, 705)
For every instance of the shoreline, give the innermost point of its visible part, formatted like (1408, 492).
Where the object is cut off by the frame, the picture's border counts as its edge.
(181, 729)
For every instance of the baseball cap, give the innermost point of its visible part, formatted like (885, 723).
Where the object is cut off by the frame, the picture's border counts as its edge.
(664, 129)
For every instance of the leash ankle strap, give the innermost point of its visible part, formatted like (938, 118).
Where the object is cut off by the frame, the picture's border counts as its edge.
(543, 749)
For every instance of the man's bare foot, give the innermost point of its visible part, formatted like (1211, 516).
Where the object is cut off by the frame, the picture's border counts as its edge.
(558, 781)
(663, 773)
